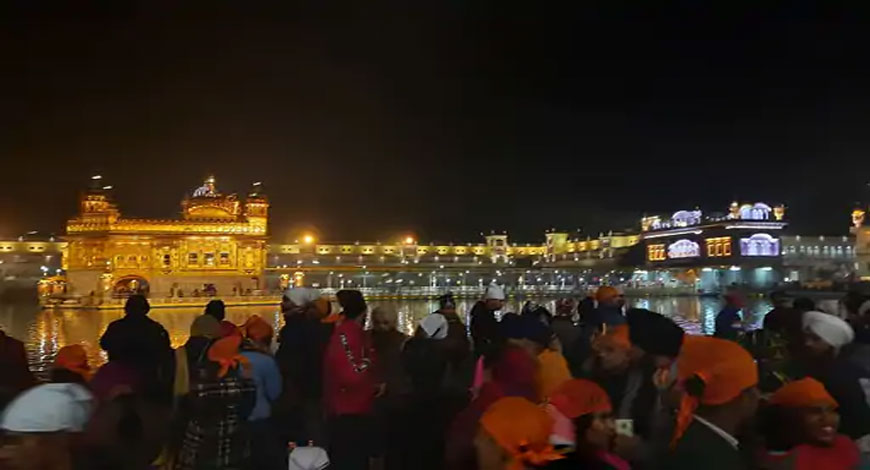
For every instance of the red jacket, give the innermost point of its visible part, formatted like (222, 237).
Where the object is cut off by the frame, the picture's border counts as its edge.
(348, 375)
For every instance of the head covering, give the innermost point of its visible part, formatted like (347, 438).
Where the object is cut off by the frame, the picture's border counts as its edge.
(308, 458)
(352, 303)
(654, 333)
(216, 308)
(225, 352)
(136, 305)
(435, 326)
(73, 358)
(301, 296)
(578, 397)
(606, 293)
(494, 292)
(864, 308)
(387, 312)
(614, 335)
(514, 373)
(446, 301)
(802, 393)
(564, 306)
(831, 329)
(258, 329)
(49, 407)
(206, 326)
(552, 371)
(522, 429)
(725, 369)
(229, 329)
(525, 327)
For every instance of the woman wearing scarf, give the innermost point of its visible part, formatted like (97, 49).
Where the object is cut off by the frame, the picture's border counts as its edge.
(583, 422)
(801, 430)
(221, 398)
(824, 337)
(718, 381)
(513, 435)
(513, 373)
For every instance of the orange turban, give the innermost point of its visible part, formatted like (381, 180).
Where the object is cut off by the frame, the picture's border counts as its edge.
(257, 329)
(605, 293)
(522, 429)
(229, 329)
(552, 371)
(73, 358)
(578, 397)
(725, 368)
(803, 393)
(225, 352)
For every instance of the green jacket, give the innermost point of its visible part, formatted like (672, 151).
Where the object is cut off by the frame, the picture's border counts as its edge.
(701, 448)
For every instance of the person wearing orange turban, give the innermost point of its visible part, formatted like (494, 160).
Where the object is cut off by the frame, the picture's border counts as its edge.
(225, 352)
(609, 309)
(718, 381)
(266, 448)
(73, 358)
(582, 414)
(800, 430)
(514, 435)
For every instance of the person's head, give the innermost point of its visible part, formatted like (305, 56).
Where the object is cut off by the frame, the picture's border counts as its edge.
(136, 306)
(655, 336)
(433, 326)
(216, 309)
(527, 332)
(718, 379)
(803, 304)
(298, 299)
(825, 334)
(588, 407)
(778, 299)
(514, 434)
(447, 304)
(258, 331)
(494, 297)
(71, 365)
(205, 326)
(810, 412)
(734, 298)
(607, 296)
(612, 349)
(353, 305)
(565, 307)
(224, 353)
(384, 318)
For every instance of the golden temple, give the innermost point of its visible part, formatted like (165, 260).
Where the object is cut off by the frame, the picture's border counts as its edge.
(217, 246)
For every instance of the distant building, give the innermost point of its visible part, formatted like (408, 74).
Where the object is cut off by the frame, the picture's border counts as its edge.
(710, 251)
(218, 246)
(818, 257)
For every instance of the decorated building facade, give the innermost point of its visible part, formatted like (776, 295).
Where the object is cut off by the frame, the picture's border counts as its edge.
(218, 245)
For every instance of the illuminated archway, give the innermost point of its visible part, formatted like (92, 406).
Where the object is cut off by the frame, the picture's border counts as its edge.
(129, 285)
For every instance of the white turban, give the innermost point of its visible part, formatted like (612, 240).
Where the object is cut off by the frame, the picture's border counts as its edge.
(435, 326)
(301, 296)
(831, 329)
(308, 458)
(864, 308)
(49, 408)
(494, 292)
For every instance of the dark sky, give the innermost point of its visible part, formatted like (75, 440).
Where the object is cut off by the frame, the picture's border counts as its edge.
(366, 120)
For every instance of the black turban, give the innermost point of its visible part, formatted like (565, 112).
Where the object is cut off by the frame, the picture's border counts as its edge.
(654, 333)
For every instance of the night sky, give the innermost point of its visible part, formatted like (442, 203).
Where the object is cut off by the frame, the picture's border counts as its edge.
(369, 120)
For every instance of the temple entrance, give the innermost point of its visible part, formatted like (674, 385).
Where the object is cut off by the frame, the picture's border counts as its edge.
(129, 285)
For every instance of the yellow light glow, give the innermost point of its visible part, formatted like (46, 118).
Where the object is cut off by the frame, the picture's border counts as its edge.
(308, 239)
(409, 240)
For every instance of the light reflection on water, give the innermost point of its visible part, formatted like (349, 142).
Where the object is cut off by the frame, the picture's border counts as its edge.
(45, 331)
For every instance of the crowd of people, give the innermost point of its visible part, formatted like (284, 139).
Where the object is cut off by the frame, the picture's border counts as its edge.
(591, 385)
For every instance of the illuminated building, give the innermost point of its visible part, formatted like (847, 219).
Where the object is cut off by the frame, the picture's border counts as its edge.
(818, 257)
(218, 246)
(741, 246)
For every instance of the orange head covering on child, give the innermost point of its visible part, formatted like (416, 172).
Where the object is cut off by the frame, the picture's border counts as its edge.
(803, 393)
(578, 397)
(725, 369)
(73, 358)
(257, 329)
(522, 429)
(225, 352)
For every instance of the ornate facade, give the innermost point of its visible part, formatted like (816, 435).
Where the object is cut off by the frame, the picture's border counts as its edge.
(218, 246)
